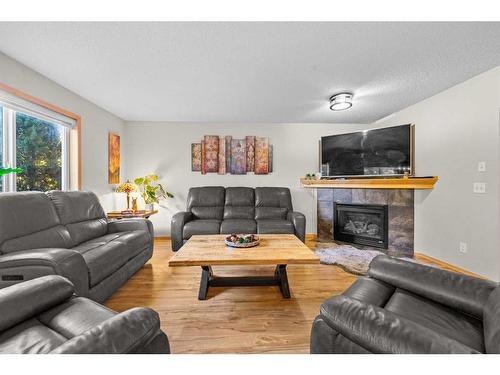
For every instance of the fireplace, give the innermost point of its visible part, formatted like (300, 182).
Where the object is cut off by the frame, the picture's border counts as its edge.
(363, 224)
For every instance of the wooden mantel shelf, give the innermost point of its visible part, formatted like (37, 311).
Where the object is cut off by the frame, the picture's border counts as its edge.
(372, 183)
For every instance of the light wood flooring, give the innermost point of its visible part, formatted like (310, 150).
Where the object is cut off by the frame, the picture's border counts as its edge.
(238, 319)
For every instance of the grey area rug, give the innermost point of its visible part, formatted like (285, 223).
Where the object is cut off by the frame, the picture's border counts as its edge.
(347, 257)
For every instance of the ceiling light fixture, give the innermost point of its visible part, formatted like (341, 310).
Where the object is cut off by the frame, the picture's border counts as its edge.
(341, 101)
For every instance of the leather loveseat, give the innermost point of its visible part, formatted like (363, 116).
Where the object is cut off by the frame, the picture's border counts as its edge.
(67, 233)
(215, 210)
(44, 316)
(404, 307)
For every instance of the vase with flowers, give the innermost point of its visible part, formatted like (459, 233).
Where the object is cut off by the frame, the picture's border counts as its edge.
(151, 190)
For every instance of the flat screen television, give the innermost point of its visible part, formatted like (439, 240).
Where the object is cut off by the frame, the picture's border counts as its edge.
(376, 152)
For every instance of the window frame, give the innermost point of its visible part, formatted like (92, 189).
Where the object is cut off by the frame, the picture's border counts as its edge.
(71, 141)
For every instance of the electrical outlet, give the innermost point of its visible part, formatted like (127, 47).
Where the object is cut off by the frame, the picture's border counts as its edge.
(481, 166)
(462, 247)
(479, 187)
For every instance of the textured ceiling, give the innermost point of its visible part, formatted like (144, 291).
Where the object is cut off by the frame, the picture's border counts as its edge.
(253, 72)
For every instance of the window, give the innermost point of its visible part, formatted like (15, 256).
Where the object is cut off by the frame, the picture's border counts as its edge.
(37, 140)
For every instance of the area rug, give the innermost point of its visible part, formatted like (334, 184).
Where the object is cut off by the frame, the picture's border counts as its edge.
(347, 257)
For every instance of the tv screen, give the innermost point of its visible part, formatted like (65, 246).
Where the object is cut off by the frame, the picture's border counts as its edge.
(385, 151)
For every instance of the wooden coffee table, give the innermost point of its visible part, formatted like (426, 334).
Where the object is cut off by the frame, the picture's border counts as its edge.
(276, 249)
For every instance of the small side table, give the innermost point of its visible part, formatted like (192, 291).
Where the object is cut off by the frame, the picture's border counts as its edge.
(118, 215)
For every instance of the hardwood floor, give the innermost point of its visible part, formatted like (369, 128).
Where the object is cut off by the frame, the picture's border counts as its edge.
(237, 319)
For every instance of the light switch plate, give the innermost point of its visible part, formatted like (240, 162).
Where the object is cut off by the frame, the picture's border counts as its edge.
(479, 187)
(481, 166)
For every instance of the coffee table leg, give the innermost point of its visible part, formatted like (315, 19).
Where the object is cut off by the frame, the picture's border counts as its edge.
(282, 278)
(206, 274)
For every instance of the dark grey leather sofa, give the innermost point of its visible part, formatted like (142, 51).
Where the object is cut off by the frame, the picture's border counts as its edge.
(43, 316)
(67, 233)
(215, 209)
(403, 307)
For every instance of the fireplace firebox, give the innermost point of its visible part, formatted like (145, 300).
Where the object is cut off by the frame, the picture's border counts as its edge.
(363, 224)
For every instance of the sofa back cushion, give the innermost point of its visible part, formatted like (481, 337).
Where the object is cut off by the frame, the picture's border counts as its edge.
(28, 220)
(81, 213)
(491, 322)
(272, 203)
(206, 203)
(240, 203)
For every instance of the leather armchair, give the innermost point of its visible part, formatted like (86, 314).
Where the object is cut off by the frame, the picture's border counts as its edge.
(219, 210)
(405, 307)
(43, 316)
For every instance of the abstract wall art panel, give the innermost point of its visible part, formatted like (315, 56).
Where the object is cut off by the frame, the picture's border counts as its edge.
(261, 155)
(203, 159)
(222, 155)
(196, 157)
(250, 140)
(270, 158)
(212, 153)
(113, 158)
(228, 153)
(238, 156)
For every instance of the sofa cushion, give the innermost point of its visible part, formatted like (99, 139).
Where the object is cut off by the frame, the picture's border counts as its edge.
(201, 227)
(106, 254)
(27, 220)
(81, 213)
(206, 203)
(270, 213)
(275, 226)
(438, 318)
(240, 203)
(30, 337)
(272, 203)
(74, 317)
(238, 226)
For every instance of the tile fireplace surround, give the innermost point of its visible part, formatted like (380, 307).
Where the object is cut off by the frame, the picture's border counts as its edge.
(400, 204)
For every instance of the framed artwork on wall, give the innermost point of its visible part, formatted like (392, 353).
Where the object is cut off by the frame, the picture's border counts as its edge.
(261, 155)
(113, 158)
(196, 157)
(212, 153)
(224, 154)
(238, 156)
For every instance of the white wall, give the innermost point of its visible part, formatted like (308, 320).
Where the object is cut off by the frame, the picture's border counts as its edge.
(456, 129)
(165, 149)
(96, 123)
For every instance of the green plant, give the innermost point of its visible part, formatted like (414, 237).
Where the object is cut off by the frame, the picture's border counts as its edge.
(151, 190)
(4, 171)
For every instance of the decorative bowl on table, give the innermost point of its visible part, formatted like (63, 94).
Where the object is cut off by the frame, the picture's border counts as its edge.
(242, 240)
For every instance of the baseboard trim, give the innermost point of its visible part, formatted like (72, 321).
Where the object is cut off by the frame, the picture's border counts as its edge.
(448, 266)
(162, 238)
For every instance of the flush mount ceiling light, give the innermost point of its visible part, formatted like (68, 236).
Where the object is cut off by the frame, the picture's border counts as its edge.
(341, 101)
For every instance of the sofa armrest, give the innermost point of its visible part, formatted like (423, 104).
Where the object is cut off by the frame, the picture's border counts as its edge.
(177, 227)
(24, 300)
(461, 292)
(299, 223)
(127, 332)
(381, 331)
(29, 264)
(125, 225)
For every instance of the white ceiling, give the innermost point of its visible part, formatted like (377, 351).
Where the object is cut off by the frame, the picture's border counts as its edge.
(253, 72)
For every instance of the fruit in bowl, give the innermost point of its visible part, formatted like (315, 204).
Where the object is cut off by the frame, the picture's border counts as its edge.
(242, 240)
